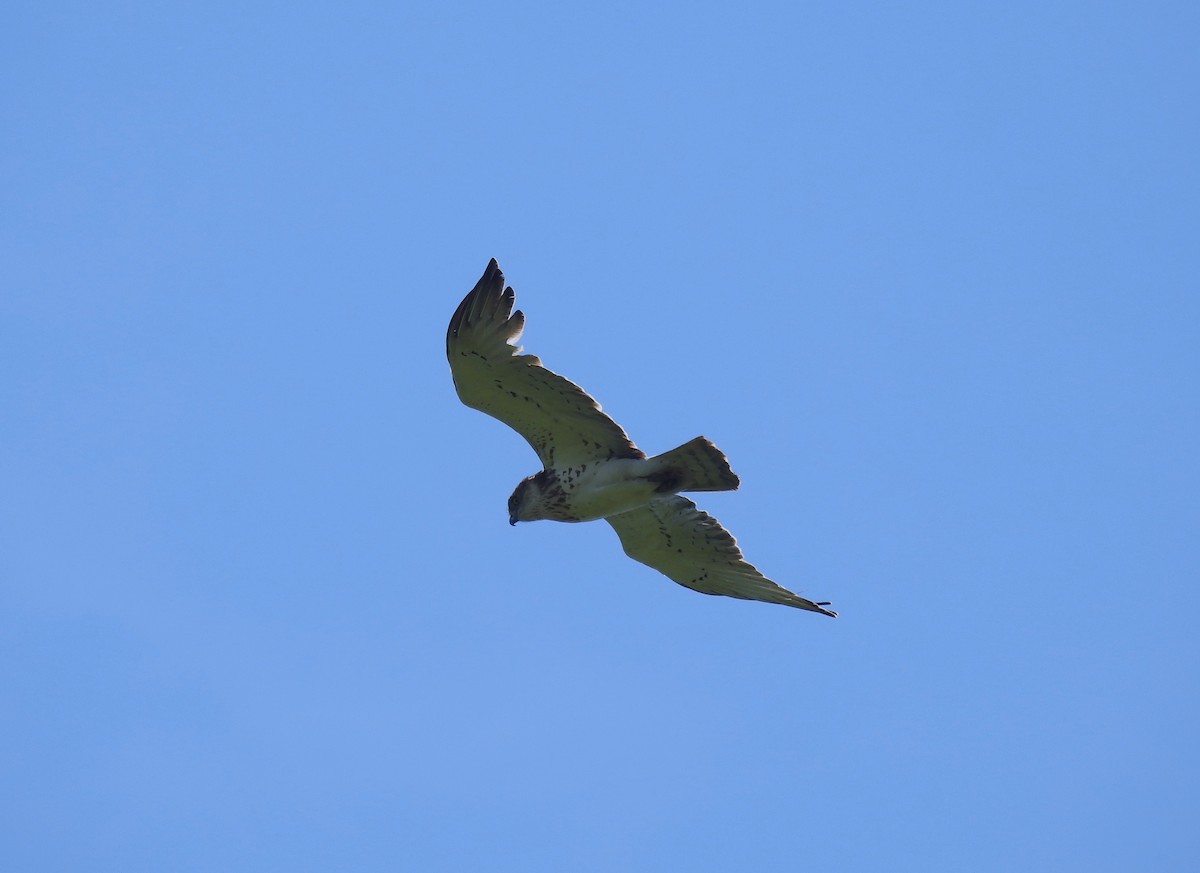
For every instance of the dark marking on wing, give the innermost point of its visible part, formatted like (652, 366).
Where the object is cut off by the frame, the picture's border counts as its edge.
(690, 547)
(557, 417)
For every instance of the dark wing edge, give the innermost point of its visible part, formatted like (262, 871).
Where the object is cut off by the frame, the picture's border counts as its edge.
(491, 375)
(689, 546)
(478, 312)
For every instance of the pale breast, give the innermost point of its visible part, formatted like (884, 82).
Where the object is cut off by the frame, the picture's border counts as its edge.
(599, 489)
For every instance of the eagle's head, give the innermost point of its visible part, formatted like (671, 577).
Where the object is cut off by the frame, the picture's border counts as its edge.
(523, 503)
(539, 496)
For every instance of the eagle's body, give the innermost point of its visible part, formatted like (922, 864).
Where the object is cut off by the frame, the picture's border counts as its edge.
(591, 469)
(607, 486)
(583, 493)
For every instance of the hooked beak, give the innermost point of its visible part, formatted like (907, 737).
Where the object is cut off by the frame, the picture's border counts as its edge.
(512, 519)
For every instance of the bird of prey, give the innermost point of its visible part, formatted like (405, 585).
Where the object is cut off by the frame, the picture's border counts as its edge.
(591, 469)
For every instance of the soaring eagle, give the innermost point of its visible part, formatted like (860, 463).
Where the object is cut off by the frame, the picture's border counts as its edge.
(591, 469)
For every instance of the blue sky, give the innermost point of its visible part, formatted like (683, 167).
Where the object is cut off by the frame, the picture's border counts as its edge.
(927, 273)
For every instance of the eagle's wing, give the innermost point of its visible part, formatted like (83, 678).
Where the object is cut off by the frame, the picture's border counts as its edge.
(563, 424)
(689, 546)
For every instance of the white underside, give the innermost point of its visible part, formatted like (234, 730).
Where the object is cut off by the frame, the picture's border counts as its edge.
(609, 487)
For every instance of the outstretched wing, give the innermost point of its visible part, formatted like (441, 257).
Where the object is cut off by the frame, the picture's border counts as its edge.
(690, 547)
(563, 424)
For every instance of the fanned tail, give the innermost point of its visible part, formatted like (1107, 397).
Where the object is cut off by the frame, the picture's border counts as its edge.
(697, 465)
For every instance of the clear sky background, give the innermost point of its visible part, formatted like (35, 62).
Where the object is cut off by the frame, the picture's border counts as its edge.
(927, 273)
